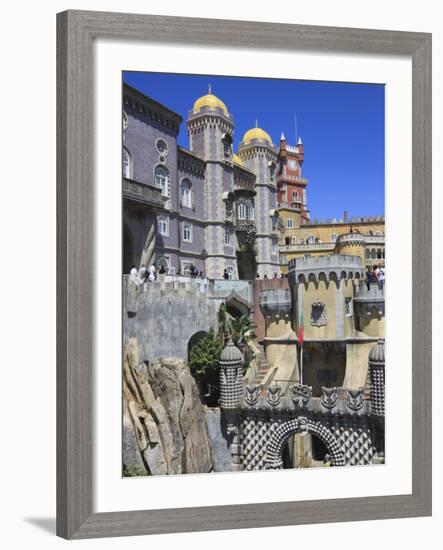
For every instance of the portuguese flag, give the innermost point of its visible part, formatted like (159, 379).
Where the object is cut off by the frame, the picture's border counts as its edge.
(300, 330)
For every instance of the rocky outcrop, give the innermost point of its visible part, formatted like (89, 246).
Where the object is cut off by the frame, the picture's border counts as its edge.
(164, 424)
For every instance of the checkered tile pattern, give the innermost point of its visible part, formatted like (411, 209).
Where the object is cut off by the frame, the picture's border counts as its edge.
(377, 372)
(255, 434)
(356, 444)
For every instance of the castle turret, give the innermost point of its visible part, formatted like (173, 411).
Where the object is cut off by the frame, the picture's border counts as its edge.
(376, 363)
(377, 377)
(231, 377)
(351, 244)
(300, 151)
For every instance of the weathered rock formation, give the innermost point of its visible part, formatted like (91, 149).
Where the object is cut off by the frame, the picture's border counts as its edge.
(164, 425)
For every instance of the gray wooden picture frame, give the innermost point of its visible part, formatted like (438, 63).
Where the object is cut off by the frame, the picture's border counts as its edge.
(76, 32)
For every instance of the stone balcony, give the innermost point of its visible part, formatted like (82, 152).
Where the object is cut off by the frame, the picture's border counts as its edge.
(295, 206)
(308, 247)
(373, 295)
(143, 193)
(245, 225)
(276, 302)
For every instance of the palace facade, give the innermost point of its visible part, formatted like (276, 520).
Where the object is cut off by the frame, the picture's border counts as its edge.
(204, 207)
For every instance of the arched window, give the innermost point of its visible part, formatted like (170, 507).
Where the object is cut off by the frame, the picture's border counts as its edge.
(163, 225)
(164, 262)
(227, 145)
(187, 232)
(334, 237)
(241, 211)
(271, 166)
(161, 176)
(249, 207)
(186, 193)
(295, 197)
(126, 163)
(311, 239)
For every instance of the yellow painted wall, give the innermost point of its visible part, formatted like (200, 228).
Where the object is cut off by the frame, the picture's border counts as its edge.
(371, 325)
(324, 232)
(351, 250)
(357, 365)
(335, 361)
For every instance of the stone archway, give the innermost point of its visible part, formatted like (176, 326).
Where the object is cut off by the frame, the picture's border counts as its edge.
(299, 425)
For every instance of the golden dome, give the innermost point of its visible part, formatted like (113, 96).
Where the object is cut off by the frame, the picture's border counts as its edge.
(256, 133)
(237, 160)
(211, 101)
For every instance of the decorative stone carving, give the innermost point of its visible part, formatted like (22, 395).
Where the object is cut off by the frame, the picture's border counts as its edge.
(303, 425)
(252, 393)
(274, 395)
(329, 397)
(355, 399)
(319, 316)
(300, 394)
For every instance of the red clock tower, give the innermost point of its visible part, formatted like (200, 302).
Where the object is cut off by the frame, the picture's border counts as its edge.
(291, 187)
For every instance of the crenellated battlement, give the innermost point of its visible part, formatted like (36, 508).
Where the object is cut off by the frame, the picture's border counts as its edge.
(329, 268)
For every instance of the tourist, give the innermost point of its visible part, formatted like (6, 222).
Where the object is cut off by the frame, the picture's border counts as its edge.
(133, 273)
(225, 274)
(152, 274)
(368, 277)
(376, 271)
(162, 270)
(381, 278)
(142, 273)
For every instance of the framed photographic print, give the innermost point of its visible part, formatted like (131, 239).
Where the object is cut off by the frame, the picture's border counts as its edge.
(244, 280)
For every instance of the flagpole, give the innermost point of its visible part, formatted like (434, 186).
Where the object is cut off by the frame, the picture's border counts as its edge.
(301, 363)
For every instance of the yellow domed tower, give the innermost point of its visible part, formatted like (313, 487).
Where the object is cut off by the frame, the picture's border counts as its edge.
(258, 154)
(211, 130)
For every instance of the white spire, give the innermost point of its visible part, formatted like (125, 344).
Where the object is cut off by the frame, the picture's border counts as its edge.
(282, 137)
(209, 89)
(299, 142)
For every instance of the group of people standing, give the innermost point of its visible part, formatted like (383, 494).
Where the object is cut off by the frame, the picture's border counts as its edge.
(375, 274)
(146, 274)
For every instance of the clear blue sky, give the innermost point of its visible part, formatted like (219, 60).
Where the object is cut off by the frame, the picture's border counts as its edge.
(341, 126)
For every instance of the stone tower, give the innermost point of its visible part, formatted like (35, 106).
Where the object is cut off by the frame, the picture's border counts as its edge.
(376, 366)
(259, 155)
(377, 377)
(231, 376)
(211, 128)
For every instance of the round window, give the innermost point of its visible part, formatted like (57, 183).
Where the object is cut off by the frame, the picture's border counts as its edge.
(162, 148)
